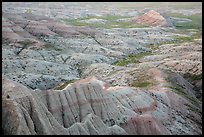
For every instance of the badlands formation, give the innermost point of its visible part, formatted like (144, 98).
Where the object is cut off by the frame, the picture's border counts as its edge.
(151, 18)
(91, 73)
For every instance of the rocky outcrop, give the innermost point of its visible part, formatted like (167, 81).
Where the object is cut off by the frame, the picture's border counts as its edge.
(152, 18)
(40, 52)
(90, 106)
(61, 79)
(179, 64)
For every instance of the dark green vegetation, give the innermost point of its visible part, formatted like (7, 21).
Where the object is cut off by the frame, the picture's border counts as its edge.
(62, 86)
(193, 77)
(179, 89)
(180, 39)
(111, 22)
(196, 22)
(132, 59)
(111, 17)
(143, 80)
(185, 28)
(26, 43)
(50, 46)
(141, 84)
(177, 40)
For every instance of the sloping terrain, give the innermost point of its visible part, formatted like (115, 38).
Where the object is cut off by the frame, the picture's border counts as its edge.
(101, 69)
(152, 18)
(180, 60)
(89, 106)
(41, 53)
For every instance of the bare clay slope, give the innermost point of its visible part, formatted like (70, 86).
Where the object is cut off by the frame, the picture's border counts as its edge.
(152, 18)
(90, 106)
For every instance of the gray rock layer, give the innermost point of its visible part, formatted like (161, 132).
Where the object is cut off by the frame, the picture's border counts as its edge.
(89, 106)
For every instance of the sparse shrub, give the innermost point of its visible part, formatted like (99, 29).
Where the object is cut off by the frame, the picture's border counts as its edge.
(177, 88)
(25, 44)
(28, 10)
(132, 59)
(193, 77)
(196, 22)
(50, 46)
(141, 84)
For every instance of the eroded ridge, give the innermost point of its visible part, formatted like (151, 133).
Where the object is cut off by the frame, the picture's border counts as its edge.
(89, 106)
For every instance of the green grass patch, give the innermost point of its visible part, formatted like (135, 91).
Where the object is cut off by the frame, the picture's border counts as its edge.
(132, 59)
(144, 81)
(141, 84)
(77, 23)
(177, 40)
(62, 86)
(111, 22)
(50, 46)
(155, 46)
(111, 17)
(180, 39)
(26, 43)
(127, 25)
(179, 89)
(193, 77)
(196, 22)
(186, 28)
(176, 88)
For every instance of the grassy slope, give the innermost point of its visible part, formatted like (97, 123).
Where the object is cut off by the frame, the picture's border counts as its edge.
(132, 59)
(195, 24)
(111, 22)
(179, 89)
(182, 27)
